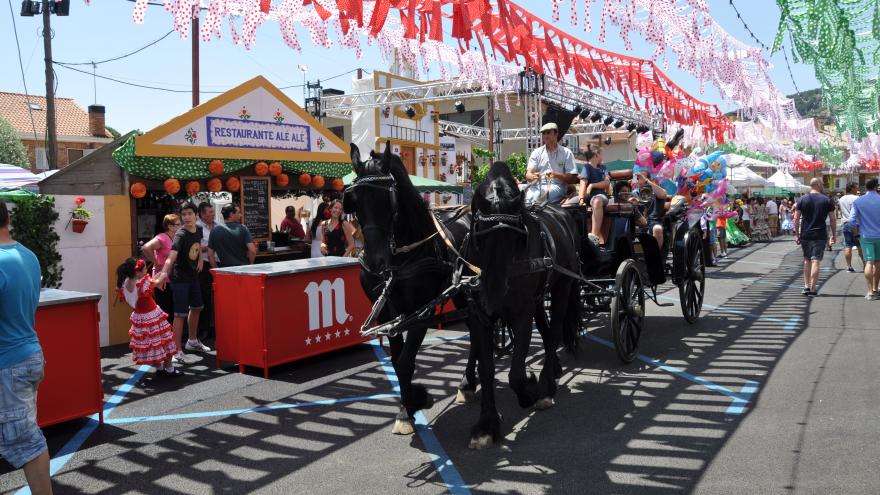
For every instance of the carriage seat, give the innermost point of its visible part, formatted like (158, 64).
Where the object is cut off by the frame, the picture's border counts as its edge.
(613, 212)
(621, 174)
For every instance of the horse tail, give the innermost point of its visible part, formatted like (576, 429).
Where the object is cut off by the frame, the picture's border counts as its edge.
(571, 324)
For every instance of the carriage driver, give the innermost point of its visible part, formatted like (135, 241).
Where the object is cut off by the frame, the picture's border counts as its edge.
(655, 209)
(552, 162)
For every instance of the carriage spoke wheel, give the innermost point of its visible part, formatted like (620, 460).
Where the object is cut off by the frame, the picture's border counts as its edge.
(691, 289)
(627, 311)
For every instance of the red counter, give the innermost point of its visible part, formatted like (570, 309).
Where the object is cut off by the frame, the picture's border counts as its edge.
(275, 313)
(67, 325)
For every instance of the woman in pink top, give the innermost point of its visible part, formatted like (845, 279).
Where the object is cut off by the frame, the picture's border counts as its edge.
(156, 251)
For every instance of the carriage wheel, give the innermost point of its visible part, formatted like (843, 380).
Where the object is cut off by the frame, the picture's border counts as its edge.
(627, 311)
(691, 289)
(503, 338)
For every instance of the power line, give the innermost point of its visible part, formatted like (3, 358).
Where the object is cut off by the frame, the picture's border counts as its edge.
(23, 80)
(99, 62)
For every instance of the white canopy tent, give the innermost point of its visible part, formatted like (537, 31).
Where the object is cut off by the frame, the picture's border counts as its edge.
(736, 161)
(784, 179)
(743, 178)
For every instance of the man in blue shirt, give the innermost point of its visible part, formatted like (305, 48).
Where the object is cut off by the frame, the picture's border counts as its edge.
(21, 361)
(866, 218)
(811, 233)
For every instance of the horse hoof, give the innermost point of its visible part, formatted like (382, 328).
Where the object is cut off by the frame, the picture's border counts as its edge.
(465, 396)
(480, 442)
(402, 427)
(545, 403)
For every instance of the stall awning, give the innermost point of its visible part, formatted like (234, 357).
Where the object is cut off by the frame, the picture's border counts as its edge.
(422, 184)
(10, 195)
(14, 177)
(160, 168)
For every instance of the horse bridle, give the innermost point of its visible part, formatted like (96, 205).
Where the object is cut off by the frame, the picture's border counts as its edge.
(502, 221)
(385, 183)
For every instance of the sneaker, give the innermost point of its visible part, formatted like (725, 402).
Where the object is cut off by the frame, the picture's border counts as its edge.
(870, 296)
(178, 358)
(173, 373)
(850, 269)
(813, 293)
(195, 345)
(805, 291)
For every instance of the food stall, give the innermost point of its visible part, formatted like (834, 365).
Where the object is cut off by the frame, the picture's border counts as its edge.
(67, 326)
(280, 312)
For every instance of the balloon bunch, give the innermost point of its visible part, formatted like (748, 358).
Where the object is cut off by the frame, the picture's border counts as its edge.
(706, 180)
(658, 161)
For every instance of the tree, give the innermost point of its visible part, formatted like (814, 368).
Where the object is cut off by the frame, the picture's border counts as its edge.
(113, 132)
(12, 151)
(33, 225)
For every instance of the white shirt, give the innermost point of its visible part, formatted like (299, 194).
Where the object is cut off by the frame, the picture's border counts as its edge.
(541, 161)
(206, 233)
(745, 216)
(772, 207)
(845, 205)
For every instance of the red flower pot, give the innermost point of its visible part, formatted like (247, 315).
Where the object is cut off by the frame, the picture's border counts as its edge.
(79, 225)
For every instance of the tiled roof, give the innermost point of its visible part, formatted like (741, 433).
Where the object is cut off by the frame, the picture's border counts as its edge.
(70, 118)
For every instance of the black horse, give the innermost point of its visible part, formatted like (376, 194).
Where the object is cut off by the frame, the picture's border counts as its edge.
(406, 257)
(524, 253)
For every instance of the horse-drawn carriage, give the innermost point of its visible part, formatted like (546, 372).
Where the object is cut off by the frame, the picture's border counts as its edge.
(619, 276)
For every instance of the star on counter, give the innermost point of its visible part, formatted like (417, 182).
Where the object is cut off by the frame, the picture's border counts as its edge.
(318, 338)
(327, 336)
(346, 331)
(308, 341)
(337, 334)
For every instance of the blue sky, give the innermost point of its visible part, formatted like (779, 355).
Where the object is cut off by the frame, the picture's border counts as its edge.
(104, 29)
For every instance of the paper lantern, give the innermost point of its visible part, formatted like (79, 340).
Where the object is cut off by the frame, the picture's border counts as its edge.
(275, 168)
(318, 182)
(172, 186)
(215, 185)
(261, 168)
(138, 190)
(232, 184)
(215, 167)
(282, 180)
(193, 187)
(337, 184)
(305, 180)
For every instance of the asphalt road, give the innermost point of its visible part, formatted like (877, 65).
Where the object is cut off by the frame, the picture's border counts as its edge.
(769, 392)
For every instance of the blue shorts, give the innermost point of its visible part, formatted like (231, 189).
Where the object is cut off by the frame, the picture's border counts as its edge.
(849, 240)
(21, 440)
(814, 250)
(187, 296)
(712, 235)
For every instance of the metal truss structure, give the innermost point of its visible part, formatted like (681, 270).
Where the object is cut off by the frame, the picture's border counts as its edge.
(464, 130)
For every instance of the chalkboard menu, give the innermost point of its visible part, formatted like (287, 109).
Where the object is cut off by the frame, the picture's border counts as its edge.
(256, 206)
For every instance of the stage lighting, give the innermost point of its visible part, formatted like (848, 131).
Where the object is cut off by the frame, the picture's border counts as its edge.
(618, 124)
(595, 117)
(410, 112)
(585, 114)
(608, 120)
(642, 129)
(631, 127)
(459, 106)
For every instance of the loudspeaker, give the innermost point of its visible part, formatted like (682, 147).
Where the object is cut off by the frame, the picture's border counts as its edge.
(61, 8)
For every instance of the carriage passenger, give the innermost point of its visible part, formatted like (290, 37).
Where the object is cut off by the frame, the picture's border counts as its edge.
(655, 209)
(551, 167)
(594, 189)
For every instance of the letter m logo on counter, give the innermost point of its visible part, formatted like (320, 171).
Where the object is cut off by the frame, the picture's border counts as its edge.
(326, 300)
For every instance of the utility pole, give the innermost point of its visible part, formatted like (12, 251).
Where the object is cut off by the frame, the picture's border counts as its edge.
(52, 152)
(195, 56)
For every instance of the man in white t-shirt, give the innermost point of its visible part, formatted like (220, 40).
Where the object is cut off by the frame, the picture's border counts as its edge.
(551, 168)
(850, 232)
(773, 217)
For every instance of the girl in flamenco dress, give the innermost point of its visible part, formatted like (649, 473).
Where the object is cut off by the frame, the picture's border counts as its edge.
(735, 236)
(152, 338)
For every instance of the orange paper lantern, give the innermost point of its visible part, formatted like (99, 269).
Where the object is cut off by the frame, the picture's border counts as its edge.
(261, 168)
(138, 190)
(337, 184)
(318, 182)
(193, 187)
(275, 168)
(172, 186)
(232, 184)
(282, 180)
(215, 167)
(215, 185)
(305, 180)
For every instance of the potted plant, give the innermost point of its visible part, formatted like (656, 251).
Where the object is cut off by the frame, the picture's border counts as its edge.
(79, 216)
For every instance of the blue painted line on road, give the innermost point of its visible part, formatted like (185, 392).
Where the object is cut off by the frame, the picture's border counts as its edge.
(739, 405)
(74, 444)
(792, 323)
(255, 409)
(454, 482)
(739, 398)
